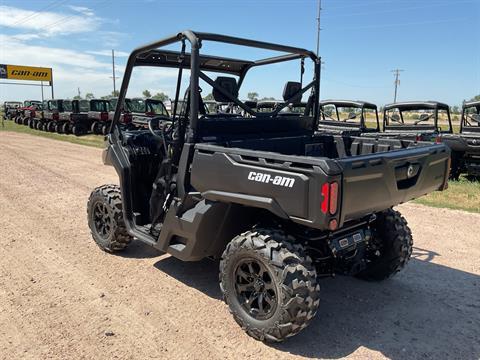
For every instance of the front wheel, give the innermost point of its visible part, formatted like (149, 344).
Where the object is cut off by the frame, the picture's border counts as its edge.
(105, 218)
(269, 283)
(390, 249)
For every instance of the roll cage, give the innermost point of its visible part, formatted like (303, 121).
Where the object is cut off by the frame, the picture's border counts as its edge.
(153, 55)
(362, 105)
(415, 106)
(470, 120)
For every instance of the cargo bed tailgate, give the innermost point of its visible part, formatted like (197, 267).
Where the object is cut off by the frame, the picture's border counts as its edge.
(378, 181)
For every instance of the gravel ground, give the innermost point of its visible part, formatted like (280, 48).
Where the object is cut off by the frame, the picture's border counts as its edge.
(63, 298)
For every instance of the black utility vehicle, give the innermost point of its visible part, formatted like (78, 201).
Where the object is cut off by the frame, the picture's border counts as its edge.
(469, 144)
(278, 204)
(348, 117)
(74, 118)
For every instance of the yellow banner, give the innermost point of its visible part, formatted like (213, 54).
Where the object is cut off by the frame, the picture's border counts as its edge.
(19, 72)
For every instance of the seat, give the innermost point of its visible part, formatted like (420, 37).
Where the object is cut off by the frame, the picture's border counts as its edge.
(291, 92)
(229, 85)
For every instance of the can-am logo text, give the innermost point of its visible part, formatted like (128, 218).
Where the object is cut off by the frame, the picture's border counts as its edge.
(269, 179)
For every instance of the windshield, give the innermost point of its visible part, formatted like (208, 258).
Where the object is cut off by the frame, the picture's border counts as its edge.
(99, 105)
(84, 106)
(412, 117)
(137, 106)
(471, 116)
(349, 115)
(67, 106)
(156, 107)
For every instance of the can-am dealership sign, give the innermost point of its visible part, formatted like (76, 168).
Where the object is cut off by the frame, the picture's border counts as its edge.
(19, 72)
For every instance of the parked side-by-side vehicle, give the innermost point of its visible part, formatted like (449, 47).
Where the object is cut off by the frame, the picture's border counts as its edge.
(348, 117)
(278, 203)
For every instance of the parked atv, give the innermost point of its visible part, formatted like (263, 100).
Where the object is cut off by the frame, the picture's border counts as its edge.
(348, 117)
(98, 114)
(51, 115)
(74, 119)
(10, 109)
(24, 112)
(278, 204)
(466, 145)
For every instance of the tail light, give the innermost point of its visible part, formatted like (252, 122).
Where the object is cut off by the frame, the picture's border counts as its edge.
(104, 116)
(418, 138)
(330, 198)
(438, 139)
(55, 116)
(127, 118)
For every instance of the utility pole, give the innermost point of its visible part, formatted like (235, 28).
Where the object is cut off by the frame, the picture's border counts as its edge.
(318, 25)
(113, 72)
(397, 82)
(79, 94)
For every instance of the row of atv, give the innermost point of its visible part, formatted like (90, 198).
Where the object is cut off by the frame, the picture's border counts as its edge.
(80, 117)
(407, 121)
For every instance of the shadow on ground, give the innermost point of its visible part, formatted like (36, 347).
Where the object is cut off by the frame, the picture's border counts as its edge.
(428, 311)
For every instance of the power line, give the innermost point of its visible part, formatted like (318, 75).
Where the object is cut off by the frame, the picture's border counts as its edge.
(396, 82)
(39, 12)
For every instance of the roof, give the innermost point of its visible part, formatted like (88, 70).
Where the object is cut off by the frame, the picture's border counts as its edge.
(416, 105)
(471, 103)
(348, 103)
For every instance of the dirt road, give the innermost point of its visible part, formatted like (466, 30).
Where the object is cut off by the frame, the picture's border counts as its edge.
(63, 298)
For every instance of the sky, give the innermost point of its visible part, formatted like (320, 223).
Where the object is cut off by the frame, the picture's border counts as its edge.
(435, 42)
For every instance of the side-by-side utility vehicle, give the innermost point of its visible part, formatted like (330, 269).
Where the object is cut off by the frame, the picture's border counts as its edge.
(467, 144)
(24, 111)
(74, 119)
(278, 204)
(348, 117)
(10, 109)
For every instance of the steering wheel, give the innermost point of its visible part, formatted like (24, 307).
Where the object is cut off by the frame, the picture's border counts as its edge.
(158, 125)
(423, 118)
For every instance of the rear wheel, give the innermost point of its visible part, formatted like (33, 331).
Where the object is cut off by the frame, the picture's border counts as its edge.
(105, 218)
(269, 283)
(94, 128)
(105, 128)
(76, 130)
(391, 247)
(66, 128)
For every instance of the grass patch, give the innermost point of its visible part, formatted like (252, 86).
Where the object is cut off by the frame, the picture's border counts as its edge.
(89, 140)
(460, 195)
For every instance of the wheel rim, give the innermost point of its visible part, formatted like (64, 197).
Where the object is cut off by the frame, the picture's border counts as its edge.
(255, 289)
(102, 220)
